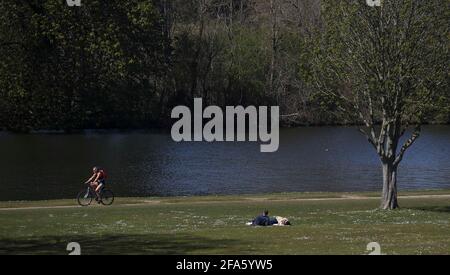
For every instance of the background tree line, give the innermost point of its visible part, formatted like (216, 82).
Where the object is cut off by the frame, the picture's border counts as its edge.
(126, 64)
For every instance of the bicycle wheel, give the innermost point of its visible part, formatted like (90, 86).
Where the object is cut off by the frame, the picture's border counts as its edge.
(85, 197)
(107, 197)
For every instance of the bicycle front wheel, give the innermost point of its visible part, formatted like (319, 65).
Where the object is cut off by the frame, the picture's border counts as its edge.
(85, 197)
(107, 197)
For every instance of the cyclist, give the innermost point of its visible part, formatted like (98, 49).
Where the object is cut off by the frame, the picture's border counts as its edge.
(97, 181)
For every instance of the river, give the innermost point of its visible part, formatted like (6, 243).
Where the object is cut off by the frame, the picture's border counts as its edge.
(50, 166)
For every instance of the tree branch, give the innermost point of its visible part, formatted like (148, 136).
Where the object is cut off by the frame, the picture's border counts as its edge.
(369, 138)
(415, 135)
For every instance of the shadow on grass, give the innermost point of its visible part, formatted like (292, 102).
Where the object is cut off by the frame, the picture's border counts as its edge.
(438, 209)
(149, 244)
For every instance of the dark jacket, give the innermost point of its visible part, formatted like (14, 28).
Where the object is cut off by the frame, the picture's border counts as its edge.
(264, 221)
(261, 221)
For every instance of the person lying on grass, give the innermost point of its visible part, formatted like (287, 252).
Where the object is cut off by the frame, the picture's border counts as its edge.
(266, 220)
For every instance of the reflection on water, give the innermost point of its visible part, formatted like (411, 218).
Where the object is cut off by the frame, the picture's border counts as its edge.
(149, 164)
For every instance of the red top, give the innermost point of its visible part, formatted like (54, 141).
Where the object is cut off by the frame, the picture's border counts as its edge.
(101, 175)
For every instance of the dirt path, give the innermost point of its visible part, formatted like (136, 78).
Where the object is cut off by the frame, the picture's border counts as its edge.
(243, 200)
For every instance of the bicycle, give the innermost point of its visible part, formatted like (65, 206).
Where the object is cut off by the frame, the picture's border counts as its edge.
(86, 196)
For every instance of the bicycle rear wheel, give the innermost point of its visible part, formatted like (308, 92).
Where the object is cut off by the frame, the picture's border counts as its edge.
(85, 197)
(107, 197)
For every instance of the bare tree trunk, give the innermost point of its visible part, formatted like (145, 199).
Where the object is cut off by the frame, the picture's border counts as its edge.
(274, 13)
(389, 197)
(166, 10)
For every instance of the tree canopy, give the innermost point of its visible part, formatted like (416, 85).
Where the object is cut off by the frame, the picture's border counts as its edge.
(126, 64)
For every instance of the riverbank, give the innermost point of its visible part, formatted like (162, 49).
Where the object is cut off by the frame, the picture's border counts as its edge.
(165, 129)
(323, 223)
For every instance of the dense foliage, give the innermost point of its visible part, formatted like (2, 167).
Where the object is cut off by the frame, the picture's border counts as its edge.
(125, 64)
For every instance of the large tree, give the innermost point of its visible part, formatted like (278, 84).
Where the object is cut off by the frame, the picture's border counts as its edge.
(388, 66)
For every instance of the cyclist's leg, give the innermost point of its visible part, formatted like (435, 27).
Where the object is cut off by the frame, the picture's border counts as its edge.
(100, 186)
(94, 185)
(98, 190)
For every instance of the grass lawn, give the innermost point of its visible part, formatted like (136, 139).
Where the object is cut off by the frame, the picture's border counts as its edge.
(323, 223)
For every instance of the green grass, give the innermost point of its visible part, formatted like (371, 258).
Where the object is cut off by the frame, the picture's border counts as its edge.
(216, 225)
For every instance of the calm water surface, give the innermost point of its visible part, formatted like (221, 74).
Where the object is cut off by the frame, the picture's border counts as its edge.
(36, 167)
